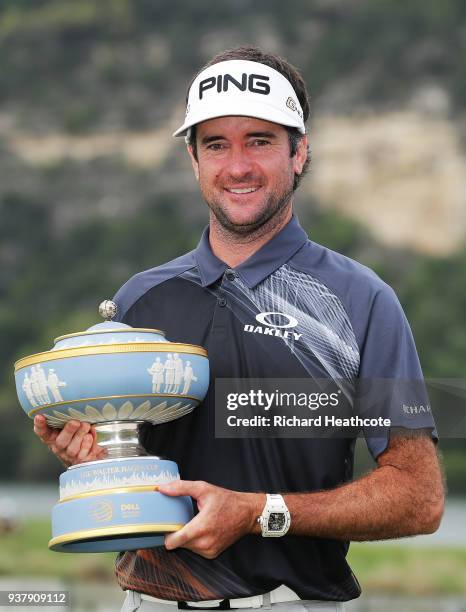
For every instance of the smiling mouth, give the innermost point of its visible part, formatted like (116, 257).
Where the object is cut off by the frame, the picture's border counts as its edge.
(242, 190)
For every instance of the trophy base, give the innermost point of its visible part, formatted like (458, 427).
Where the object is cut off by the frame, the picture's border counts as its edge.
(107, 542)
(101, 509)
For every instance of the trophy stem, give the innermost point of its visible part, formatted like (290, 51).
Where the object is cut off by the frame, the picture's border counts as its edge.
(120, 439)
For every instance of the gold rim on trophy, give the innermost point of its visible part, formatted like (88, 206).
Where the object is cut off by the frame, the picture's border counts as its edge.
(111, 397)
(119, 530)
(135, 489)
(108, 349)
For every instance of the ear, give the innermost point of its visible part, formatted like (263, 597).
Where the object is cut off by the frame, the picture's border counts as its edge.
(301, 155)
(193, 162)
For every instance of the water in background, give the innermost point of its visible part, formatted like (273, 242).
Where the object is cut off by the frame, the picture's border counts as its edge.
(31, 500)
(26, 501)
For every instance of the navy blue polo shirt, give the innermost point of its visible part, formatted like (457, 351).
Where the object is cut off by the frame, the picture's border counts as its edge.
(349, 324)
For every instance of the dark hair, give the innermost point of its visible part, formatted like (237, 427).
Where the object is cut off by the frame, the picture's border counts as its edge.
(254, 54)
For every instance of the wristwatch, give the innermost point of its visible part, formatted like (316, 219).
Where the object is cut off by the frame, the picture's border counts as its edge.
(275, 519)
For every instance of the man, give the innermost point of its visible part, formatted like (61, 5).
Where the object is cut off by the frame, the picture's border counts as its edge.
(246, 137)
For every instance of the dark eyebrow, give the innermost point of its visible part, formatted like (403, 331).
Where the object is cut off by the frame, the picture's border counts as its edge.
(270, 135)
(208, 139)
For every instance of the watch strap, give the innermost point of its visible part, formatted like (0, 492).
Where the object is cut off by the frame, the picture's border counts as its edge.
(274, 504)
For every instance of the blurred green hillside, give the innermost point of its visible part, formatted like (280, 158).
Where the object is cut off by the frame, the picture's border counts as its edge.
(85, 65)
(74, 228)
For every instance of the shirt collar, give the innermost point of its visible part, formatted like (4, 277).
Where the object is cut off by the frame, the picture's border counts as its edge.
(261, 264)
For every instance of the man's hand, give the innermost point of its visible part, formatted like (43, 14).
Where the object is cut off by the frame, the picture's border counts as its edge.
(75, 443)
(224, 517)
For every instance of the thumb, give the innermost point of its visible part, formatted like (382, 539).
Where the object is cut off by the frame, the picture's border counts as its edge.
(193, 488)
(183, 535)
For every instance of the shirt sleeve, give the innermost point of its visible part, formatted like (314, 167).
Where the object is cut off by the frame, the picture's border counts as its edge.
(391, 383)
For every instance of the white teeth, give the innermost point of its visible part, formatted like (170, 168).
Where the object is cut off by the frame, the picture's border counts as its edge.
(245, 190)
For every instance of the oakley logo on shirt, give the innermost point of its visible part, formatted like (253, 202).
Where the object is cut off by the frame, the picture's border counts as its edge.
(279, 328)
(267, 318)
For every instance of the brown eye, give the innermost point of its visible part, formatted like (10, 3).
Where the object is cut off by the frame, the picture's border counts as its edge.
(215, 146)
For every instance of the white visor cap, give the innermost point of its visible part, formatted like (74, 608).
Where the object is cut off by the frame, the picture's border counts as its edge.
(244, 88)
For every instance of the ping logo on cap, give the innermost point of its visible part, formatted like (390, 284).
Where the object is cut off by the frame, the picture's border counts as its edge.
(256, 83)
(294, 107)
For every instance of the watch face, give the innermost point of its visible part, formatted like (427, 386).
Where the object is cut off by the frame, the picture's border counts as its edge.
(276, 521)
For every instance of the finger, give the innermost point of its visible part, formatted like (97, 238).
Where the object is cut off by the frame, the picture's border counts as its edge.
(40, 420)
(100, 452)
(193, 488)
(46, 434)
(66, 434)
(86, 448)
(74, 446)
(185, 535)
(95, 451)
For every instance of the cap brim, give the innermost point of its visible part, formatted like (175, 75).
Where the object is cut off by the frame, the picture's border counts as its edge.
(258, 111)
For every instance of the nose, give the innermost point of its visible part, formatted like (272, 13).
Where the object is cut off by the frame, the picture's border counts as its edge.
(239, 164)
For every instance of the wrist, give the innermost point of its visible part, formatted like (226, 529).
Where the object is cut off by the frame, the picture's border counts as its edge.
(256, 505)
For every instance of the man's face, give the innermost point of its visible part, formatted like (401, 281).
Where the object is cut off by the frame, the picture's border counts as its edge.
(245, 170)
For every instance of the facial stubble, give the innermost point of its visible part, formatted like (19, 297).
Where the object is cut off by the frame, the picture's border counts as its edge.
(268, 216)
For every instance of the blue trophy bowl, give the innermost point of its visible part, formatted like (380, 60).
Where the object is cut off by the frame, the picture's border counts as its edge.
(115, 377)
